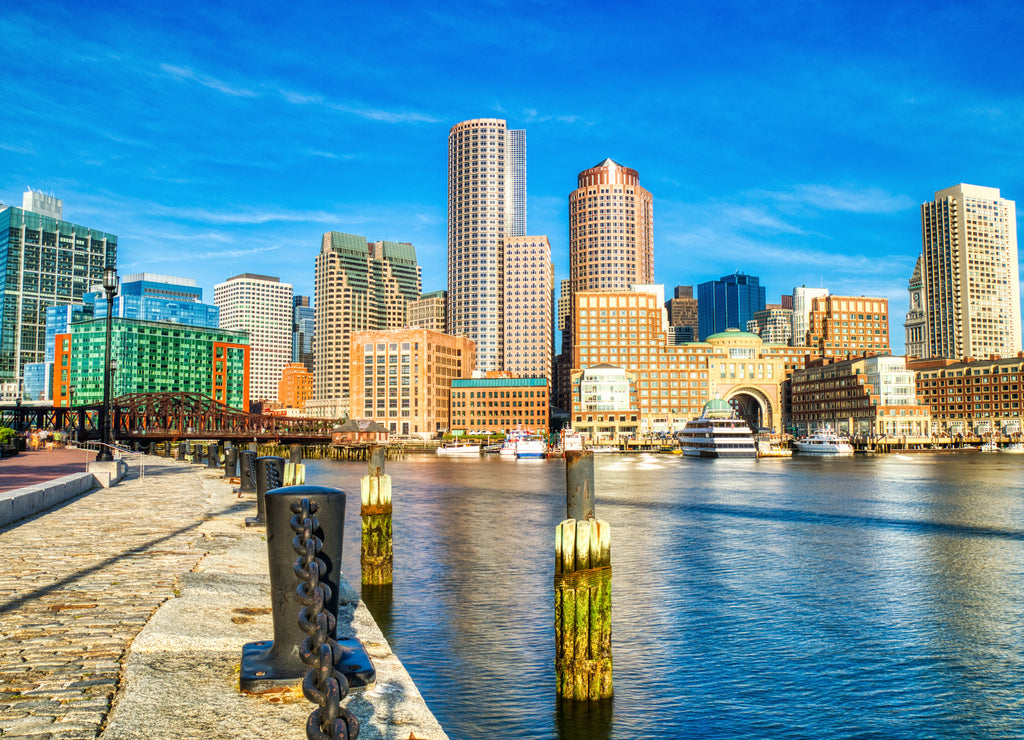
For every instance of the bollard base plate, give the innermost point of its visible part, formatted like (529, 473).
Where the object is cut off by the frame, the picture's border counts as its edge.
(258, 677)
(255, 521)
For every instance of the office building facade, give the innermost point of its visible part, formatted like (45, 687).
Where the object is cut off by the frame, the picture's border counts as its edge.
(728, 303)
(303, 331)
(429, 311)
(980, 397)
(802, 297)
(486, 205)
(261, 306)
(970, 274)
(44, 261)
(500, 405)
(842, 326)
(774, 324)
(295, 386)
(150, 297)
(529, 285)
(359, 286)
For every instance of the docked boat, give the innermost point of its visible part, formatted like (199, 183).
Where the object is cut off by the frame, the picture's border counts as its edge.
(766, 448)
(571, 440)
(531, 447)
(990, 447)
(717, 432)
(825, 441)
(1013, 447)
(457, 449)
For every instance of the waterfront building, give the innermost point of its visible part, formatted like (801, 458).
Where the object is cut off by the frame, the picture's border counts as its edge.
(260, 305)
(37, 386)
(728, 303)
(564, 303)
(848, 325)
(607, 394)
(402, 378)
(360, 286)
(296, 386)
(501, 403)
(773, 324)
(150, 297)
(915, 325)
(970, 283)
(682, 312)
(625, 330)
(867, 396)
(801, 305)
(152, 357)
(44, 261)
(529, 280)
(976, 396)
(486, 205)
(303, 331)
(429, 311)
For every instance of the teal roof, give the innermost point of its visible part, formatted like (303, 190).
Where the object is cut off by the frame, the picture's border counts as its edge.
(717, 404)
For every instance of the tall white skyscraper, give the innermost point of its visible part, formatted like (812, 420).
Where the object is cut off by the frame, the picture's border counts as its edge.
(802, 298)
(969, 274)
(262, 306)
(486, 205)
(529, 314)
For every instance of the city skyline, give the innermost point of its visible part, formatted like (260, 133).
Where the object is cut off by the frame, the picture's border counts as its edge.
(801, 156)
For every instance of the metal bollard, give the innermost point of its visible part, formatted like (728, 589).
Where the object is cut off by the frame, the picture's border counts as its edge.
(270, 665)
(579, 484)
(183, 451)
(295, 454)
(247, 471)
(213, 456)
(151, 448)
(262, 463)
(230, 462)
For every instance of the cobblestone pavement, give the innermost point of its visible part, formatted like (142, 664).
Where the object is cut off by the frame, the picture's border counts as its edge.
(78, 584)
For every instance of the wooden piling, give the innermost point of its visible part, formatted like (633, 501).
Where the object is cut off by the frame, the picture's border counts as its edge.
(376, 557)
(583, 610)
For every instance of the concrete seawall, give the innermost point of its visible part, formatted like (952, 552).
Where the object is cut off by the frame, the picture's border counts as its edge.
(135, 628)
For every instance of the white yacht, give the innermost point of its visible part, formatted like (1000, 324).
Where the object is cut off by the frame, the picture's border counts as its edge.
(457, 449)
(531, 446)
(717, 432)
(824, 442)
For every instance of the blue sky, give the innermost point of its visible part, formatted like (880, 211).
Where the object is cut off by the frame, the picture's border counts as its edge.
(793, 141)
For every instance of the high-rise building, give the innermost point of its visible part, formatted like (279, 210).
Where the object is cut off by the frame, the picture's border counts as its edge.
(486, 205)
(529, 280)
(150, 297)
(428, 311)
(802, 297)
(262, 306)
(44, 261)
(774, 324)
(728, 303)
(682, 310)
(360, 286)
(969, 274)
(303, 331)
(842, 325)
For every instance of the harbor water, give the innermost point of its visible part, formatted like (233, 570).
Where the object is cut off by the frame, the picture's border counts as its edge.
(857, 597)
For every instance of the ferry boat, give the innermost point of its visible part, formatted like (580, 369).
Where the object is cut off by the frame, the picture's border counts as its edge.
(571, 440)
(824, 442)
(717, 432)
(459, 449)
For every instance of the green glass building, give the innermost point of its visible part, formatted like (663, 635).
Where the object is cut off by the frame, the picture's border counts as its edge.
(156, 357)
(44, 261)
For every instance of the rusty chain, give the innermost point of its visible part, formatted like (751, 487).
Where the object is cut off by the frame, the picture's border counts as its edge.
(252, 470)
(273, 476)
(323, 685)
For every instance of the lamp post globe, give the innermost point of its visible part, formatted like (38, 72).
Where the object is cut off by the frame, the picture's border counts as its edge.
(107, 437)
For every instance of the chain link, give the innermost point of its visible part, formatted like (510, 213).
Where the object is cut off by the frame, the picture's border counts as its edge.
(323, 685)
(252, 470)
(273, 476)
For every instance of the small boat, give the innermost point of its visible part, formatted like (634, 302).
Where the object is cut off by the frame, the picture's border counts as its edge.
(717, 432)
(603, 449)
(459, 449)
(571, 440)
(824, 442)
(990, 447)
(1013, 447)
(531, 447)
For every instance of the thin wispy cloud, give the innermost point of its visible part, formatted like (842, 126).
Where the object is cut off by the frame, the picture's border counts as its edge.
(220, 254)
(243, 216)
(186, 73)
(848, 200)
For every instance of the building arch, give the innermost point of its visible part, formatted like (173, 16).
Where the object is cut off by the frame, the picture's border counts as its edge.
(753, 405)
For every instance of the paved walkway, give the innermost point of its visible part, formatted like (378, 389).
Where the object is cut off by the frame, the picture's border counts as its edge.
(123, 613)
(31, 467)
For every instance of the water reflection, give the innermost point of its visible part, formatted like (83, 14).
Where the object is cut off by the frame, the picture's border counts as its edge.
(795, 598)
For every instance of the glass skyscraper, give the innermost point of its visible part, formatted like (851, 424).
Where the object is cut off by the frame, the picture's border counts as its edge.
(728, 303)
(148, 297)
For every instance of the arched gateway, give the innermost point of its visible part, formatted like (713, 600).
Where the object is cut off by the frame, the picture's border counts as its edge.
(753, 406)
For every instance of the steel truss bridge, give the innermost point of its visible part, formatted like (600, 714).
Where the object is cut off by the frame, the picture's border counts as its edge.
(161, 417)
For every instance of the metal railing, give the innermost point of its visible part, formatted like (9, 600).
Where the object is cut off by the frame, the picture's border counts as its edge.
(119, 453)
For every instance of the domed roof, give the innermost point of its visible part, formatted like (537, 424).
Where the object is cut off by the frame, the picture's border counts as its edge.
(733, 334)
(717, 404)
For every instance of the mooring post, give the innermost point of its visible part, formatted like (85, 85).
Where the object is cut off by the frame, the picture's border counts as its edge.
(246, 471)
(377, 556)
(270, 665)
(263, 474)
(583, 580)
(230, 462)
(295, 454)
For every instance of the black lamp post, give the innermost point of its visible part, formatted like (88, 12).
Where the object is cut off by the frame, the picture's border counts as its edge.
(110, 286)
